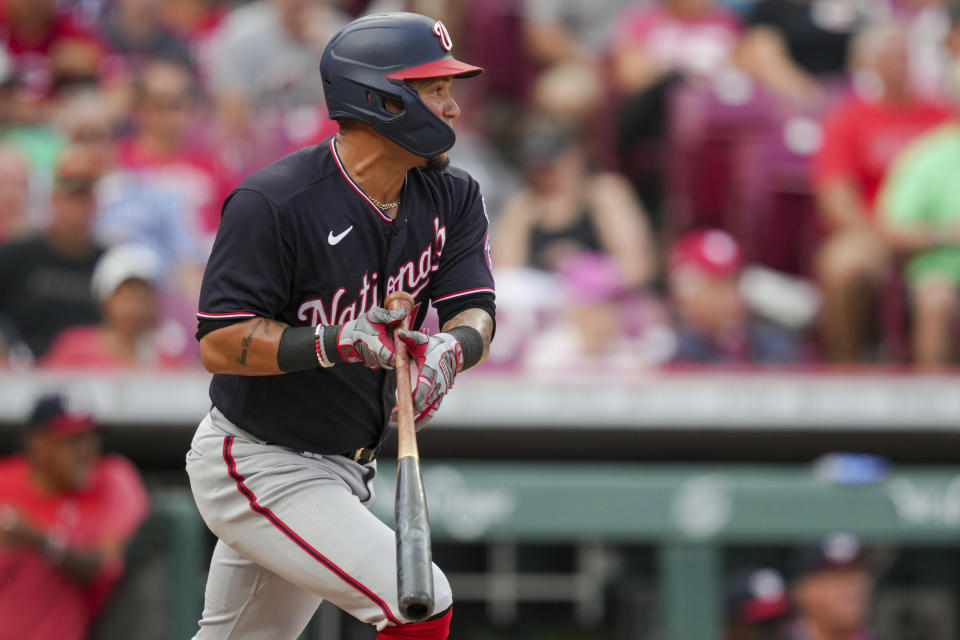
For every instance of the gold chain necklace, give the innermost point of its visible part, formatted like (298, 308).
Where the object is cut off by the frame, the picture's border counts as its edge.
(384, 205)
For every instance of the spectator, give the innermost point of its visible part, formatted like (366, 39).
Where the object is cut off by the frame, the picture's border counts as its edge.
(22, 128)
(165, 151)
(796, 48)
(131, 208)
(692, 38)
(195, 22)
(831, 591)
(591, 333)
(558, 31)
(45, 278)
(135, 31)
(571, 96)
(654, 46)
(14, 194)
(920, 211)
(50, 49)
(863, 134)
(125, 285)
(568, 209)
(66, 516)
(713, 320)
(264, 58)
(756, 604)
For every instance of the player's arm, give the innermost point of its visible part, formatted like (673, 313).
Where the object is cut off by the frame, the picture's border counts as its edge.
(264, 347)
(468, 322)
(246, 348)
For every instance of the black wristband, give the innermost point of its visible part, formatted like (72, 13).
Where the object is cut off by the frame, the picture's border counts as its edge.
(472, 343)
(297, 350)
(330, 350)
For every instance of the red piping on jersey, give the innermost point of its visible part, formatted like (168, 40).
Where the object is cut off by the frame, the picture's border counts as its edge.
(333, 150)
(300, 542)
(463, 293)
(233, 314)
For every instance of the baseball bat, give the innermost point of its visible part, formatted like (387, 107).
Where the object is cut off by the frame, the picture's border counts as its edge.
(414, 563)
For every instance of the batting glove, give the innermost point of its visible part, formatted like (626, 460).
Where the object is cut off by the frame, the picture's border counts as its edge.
(438, 358)
(369, 340)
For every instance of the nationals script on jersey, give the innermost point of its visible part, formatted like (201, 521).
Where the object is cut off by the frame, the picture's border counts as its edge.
(299, 242)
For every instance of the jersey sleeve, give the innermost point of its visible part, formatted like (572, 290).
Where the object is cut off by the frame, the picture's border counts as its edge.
(250, 266)
(465, 268)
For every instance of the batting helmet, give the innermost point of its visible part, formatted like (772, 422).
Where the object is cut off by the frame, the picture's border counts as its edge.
(367, 62)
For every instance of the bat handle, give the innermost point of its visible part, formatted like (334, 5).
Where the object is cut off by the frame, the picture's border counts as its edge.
(406, 430)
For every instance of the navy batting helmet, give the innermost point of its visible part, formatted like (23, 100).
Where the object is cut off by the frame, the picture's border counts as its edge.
(369, 60)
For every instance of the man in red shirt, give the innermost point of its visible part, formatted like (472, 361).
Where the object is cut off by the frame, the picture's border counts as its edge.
(863, 135)
(66, 515)
(48, 47)
(167, 149)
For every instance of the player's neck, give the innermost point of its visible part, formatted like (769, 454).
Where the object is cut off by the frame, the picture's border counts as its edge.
(377, 165)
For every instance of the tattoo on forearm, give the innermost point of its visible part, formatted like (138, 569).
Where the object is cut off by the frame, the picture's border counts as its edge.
(476, 318)
(245, 342)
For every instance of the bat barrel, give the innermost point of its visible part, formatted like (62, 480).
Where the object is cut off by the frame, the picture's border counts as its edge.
(414, 562)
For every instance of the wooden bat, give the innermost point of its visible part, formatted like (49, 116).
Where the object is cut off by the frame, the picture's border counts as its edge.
(414, 563)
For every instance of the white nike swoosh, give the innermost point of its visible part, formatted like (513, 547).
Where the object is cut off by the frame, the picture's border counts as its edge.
(335, 239)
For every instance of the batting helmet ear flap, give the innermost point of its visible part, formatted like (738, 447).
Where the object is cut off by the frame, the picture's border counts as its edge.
(417, 129)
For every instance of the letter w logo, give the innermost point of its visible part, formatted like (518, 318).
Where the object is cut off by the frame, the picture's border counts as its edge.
(441, 32)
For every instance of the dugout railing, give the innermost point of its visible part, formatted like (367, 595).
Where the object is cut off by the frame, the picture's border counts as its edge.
(688, 512)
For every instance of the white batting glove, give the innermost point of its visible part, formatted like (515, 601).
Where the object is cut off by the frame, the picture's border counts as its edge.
(438, 358)
(369, 339)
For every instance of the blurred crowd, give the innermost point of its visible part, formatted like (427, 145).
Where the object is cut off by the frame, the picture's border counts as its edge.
(669, 182)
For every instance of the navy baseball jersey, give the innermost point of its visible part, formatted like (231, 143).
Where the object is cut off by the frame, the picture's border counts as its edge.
(299, 242)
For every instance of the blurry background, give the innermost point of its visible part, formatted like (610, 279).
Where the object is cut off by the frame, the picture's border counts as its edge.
(726, 238)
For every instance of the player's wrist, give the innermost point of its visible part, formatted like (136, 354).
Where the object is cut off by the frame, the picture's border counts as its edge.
(328, 343)
(304, 348)
(471, 345)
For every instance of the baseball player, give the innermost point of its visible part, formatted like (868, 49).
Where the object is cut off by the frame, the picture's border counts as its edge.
(292, 326)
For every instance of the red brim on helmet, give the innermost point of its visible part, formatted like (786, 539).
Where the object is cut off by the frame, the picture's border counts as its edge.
(442, 68)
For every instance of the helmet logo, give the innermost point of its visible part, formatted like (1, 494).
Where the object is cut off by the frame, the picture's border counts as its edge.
(441, 32)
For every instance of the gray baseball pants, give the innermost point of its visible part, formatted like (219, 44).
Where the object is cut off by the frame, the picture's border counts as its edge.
(293, 530)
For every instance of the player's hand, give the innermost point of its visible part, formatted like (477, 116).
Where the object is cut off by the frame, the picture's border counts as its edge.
(438, 358)
(369, 338)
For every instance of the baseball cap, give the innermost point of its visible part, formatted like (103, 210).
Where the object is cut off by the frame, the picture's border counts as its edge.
(60, 415)
(756, 595)
(122, 263)
(590, 277)
(834, 551)
(712, 252)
